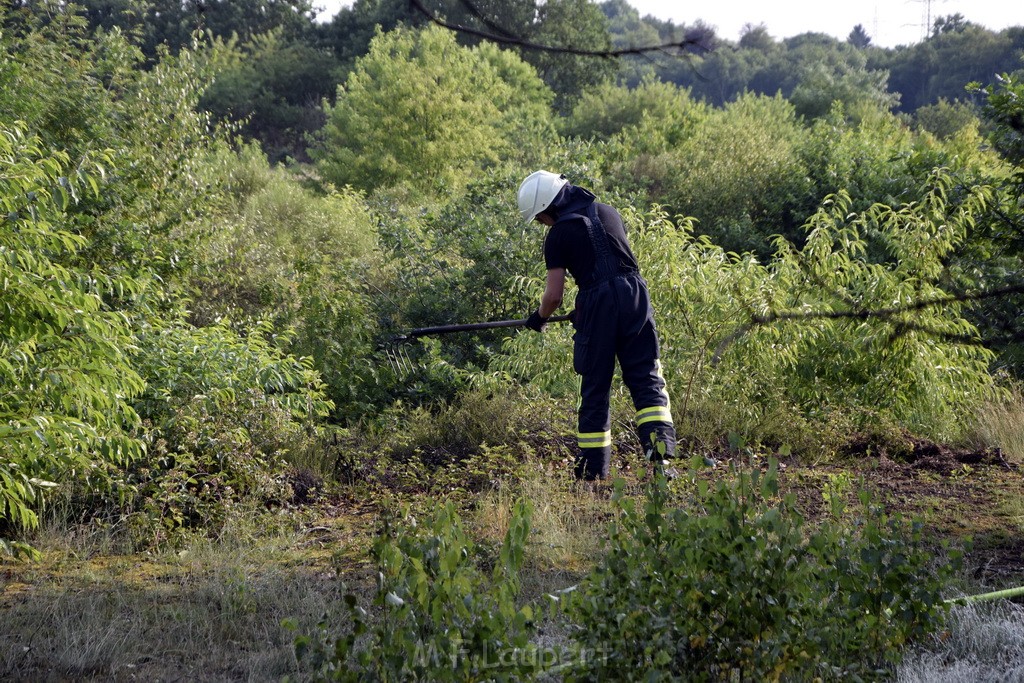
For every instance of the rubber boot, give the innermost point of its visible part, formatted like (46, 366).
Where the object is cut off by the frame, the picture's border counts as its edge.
(593, 463)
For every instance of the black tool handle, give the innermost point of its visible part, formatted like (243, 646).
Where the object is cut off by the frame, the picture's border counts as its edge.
(469, 327)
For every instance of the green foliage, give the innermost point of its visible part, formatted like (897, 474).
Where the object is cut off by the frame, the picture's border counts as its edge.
(944, 119)
(300, 260)
(576, 24)
(737, 170)
(221, 411)
(828, 76)
(470, 260)
(736, 585)
(80, 93)
(607, 109)
(454, 265)
(875, 160)
(420, 109)
(1004, 107)
(173, 24)
(66, 378)
(441, 617)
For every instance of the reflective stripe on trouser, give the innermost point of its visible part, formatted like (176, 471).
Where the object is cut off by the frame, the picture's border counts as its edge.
(657, 435)
(653, 414)
(594, 439)
(595, 455)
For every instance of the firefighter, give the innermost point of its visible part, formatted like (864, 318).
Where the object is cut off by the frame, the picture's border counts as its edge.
(613, 317)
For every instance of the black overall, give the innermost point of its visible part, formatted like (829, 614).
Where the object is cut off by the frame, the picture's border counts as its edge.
(614, 319)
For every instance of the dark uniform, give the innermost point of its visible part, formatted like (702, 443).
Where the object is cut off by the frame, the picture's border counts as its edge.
(614, 319)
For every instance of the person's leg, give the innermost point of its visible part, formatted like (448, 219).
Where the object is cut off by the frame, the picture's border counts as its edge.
(641, 372)
(594, 360)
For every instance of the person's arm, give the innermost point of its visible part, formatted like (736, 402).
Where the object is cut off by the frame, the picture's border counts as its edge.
(554, 289)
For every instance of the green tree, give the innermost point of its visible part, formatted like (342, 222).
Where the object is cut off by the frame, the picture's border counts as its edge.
(353, 28)
(859, 37)
(272, 88)
(833, 72)
(419, 109)
(943, 65)
(944, 119)
(740, 173)
(570, 23)
(608, 109)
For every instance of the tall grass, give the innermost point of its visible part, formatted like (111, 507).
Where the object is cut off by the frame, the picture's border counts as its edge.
(566, 528)
(1000, 424)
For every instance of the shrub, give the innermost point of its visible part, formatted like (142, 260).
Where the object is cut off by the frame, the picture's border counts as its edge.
(221, 411)
(65, 357)
(301, 260)
(737, 585)
(742, 164)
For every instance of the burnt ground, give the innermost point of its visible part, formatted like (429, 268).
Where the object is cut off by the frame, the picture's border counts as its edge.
(959, 494)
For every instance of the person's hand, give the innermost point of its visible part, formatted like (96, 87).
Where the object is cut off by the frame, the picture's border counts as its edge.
(535, 322)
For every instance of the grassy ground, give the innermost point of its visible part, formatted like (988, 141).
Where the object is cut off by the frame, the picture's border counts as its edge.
(212, 609)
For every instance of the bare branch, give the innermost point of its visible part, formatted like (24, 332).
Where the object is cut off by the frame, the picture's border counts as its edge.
(695, 40)
(482, 18)
(902, 327)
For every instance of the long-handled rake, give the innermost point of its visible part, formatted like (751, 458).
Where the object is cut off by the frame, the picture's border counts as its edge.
(398, 357)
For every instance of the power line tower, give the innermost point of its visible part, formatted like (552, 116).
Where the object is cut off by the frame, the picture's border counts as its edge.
(926, 18)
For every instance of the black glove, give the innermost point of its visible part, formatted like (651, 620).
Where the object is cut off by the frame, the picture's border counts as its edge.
(535, 322)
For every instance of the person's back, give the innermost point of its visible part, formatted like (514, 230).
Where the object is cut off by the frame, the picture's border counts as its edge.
(568, 245)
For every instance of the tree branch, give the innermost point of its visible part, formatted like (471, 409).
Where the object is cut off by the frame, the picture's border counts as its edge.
(695, 39)
(866, 314)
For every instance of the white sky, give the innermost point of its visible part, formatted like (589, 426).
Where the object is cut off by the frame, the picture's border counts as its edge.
(888, 22)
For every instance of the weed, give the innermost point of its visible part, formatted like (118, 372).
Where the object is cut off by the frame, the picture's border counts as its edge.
(208, 611)
(439, 617)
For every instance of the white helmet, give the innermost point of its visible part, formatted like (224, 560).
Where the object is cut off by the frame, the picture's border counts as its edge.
(538, 190)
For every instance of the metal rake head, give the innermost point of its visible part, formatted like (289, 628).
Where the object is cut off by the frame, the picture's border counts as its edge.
(398, 357)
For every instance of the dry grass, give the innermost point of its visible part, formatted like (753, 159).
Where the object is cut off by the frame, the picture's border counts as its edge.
(566, 528)
(982, 642)
(211, 611)
(1001, 425)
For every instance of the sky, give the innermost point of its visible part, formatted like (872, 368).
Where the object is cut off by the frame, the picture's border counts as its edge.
(889, 22)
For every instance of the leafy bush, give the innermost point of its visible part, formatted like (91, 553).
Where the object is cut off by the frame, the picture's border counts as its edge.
(66, 378)
(741, 167)
(735, 584)
(441, 617)
(221, 412)
(945, 119)
(301, 260)
(608, 109)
